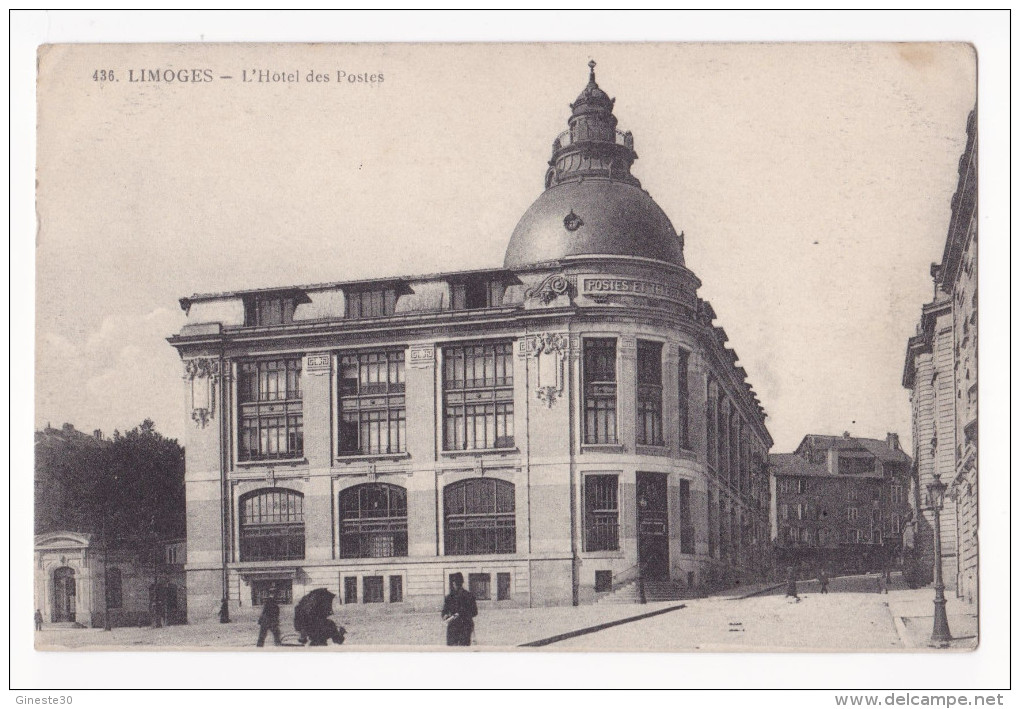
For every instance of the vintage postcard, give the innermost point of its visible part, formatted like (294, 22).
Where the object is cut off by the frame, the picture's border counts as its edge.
(600, 347)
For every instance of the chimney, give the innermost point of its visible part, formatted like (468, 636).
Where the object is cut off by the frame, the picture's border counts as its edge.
(846, 435)
(98, 434)
(893, 440)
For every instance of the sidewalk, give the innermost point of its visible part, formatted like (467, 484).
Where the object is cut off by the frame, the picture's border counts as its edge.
(913, 613)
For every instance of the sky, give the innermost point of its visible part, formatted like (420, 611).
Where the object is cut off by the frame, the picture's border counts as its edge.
(812, 183)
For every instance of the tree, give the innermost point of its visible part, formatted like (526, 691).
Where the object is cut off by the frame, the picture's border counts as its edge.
(132, 483)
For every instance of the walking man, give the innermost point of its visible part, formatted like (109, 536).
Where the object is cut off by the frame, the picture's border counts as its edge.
(269, 622)
(38, 619)
(459, 611)
(823, 580)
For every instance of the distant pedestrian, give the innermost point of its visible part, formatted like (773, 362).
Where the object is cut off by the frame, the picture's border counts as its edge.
(823, 580)
(791, 583)
(38, 619)
(269, 622)
(459, 611)
(880, 586)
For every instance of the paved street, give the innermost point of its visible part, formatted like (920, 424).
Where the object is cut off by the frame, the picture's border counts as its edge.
(852, 617)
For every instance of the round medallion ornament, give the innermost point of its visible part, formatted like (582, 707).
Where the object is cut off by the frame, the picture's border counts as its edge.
(572, 222)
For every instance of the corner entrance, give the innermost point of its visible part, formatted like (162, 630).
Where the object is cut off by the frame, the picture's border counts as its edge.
(653, 525)
(64, 595)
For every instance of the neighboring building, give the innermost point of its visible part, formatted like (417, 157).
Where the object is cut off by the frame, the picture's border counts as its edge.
(553, 429)
(78, 581)
(941, 373)
(841, 503)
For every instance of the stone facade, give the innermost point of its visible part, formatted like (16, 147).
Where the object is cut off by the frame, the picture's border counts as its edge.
(841, 503)
(551, 429)
(941, 373)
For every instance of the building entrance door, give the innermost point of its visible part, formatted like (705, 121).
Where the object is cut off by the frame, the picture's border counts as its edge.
(64, 595)
(653, 525)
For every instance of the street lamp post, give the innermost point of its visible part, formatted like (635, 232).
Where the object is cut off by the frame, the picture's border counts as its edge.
(940, 634)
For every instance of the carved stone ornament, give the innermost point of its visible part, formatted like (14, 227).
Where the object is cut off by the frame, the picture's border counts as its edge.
(550, 352)
(572, 222)
(550, 289)
(202, 372)
(317, 364)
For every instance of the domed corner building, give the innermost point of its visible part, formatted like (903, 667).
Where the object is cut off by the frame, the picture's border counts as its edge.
(565, 429)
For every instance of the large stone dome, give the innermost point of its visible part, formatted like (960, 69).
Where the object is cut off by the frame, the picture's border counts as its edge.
(593, 217)
(592, 204)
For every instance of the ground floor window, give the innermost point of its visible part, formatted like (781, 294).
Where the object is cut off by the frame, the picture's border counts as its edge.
(272, 525)
(480, 586)
(396, 589)
(601, 513)
(373, 521)
(479, 517)
(372, 589)
(503, 586)
(282, 591)
(350, 589)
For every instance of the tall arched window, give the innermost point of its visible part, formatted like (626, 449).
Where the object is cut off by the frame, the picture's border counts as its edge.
(479, 517)
(272, 525)
(373, 521)
(114, 588)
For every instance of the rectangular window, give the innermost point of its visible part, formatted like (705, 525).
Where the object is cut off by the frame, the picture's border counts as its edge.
(784, 511)
(503, 586)
(723, 432)
(372, 404)
(851, 514)
(896, 495)
(477, 293)
(479, 585)
(372, 589)
(603, 581)
(270, 308)
(282, 591)
(711, 433)
(350, 589)
(649, 393)
(478, 391)
(802, 487)
(396, 589)
(269, 409)
(733, 455)
(601, 513)
(683, 400)
(375, 303)
(686, 522)
(894, 524)
(600, 391)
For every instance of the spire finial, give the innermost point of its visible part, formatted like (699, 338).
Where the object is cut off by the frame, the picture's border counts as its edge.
(591, 67)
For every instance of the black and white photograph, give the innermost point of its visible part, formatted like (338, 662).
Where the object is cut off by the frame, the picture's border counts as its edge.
(509, 350)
